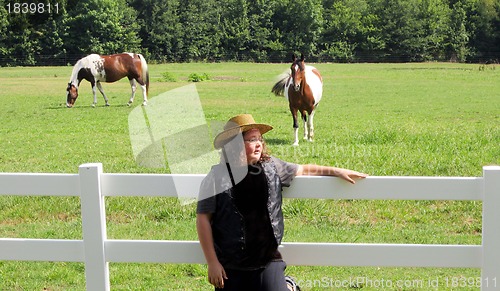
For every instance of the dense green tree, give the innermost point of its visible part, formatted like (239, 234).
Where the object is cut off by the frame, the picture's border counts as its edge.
(400, 31)
(235, 29)
(50, 42)
(300, 24)
(200, 34)
(255, 30)
(160, 28)
(349, 30)
(20, 43)
(264, 43)
(4, 26)
(28, 36)
(486, 37)
(457, 48)
(495, 35)
(433, 18)
(101, 26)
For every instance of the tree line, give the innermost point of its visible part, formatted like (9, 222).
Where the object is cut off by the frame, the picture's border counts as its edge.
(251, 30)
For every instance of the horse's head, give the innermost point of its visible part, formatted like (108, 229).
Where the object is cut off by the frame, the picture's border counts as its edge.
(72, 94)
(298, 71)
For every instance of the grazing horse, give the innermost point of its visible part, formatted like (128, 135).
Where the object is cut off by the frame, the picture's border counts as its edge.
(96, 68)
(303, 87)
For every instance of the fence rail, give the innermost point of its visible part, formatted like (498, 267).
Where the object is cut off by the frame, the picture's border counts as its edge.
(96, 251)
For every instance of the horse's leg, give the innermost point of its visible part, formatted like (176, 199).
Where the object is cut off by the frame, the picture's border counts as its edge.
(306, 128)
(99, 86)
(134, 88)
(310, 125)
(94, 93)
(295, 126)
(144, 95)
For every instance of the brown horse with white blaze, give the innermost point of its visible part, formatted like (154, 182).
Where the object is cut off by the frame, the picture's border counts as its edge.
(302, 85)
(109, 68)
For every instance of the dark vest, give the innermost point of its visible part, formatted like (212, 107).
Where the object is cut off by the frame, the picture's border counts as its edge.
(227, 222)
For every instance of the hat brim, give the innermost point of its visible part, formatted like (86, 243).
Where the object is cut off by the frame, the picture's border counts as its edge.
(222, 138)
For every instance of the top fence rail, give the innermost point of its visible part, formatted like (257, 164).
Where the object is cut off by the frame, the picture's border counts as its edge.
(96, 251)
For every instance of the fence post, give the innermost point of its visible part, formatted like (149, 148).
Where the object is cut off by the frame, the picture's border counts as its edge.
(94, 227)
(490, 273)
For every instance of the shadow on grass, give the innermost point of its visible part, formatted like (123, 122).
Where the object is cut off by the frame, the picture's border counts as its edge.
(63, 106)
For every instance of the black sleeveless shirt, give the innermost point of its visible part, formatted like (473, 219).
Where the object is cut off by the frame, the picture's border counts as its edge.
(251, 196)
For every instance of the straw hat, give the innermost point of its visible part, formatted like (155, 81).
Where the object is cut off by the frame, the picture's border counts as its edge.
(239, 124)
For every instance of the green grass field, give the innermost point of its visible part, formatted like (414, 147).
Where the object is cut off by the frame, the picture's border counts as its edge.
(422, 119)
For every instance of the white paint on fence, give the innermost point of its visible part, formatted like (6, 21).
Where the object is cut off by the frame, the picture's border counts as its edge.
(96, 251)
(94, 227)
(491, 224)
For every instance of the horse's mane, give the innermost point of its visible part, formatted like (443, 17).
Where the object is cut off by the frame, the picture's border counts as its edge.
(81, 63)
(73, 80)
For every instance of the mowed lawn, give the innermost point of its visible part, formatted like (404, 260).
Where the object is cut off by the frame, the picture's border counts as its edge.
(422, 119)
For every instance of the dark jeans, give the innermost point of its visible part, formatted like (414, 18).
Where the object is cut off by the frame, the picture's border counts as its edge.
(270, 278)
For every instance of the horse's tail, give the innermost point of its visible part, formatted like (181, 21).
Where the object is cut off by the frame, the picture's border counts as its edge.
(145, 72)
(279, 88)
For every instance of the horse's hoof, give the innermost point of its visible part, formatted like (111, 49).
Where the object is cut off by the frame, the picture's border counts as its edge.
(295, 144)
(93, 105)
(144, 104)
(128, 104)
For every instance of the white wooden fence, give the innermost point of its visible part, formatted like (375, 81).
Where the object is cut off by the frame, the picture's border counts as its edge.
(96, 251)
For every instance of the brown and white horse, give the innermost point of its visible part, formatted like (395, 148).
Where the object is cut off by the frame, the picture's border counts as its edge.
(99, 68)
(303, 87)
